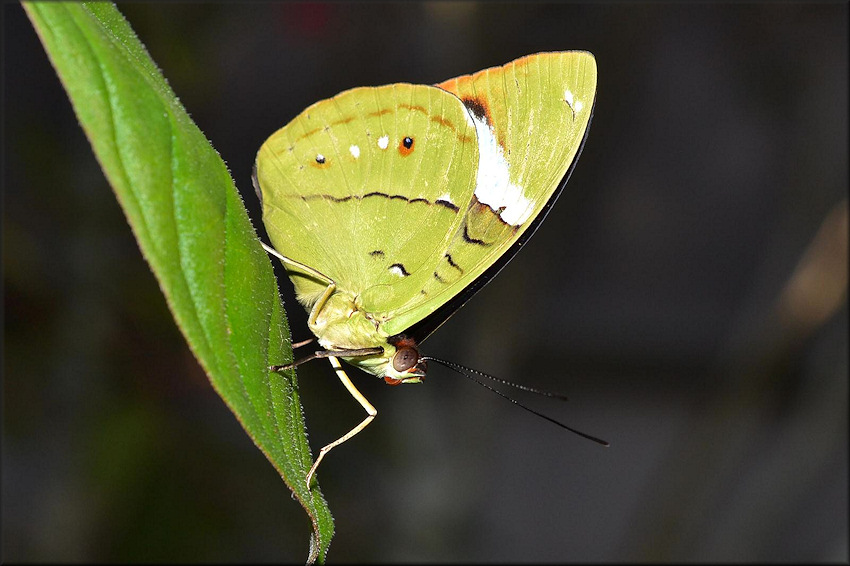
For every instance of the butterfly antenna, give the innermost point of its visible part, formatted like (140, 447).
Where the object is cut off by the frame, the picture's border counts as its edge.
(457, 368)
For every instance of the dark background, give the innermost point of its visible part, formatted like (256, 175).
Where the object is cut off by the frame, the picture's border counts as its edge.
(658, 295)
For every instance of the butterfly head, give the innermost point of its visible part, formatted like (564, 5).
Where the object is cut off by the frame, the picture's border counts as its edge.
(406, 364)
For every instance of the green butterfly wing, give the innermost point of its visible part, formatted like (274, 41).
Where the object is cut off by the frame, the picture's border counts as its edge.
(411, 197)
(360, 188)
(532, 116)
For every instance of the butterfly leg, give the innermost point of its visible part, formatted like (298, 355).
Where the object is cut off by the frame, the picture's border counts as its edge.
(328, 354)
(329, 290)
(370, 410)
(302, 343)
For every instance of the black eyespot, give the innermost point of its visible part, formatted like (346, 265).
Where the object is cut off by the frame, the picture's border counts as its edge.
(320, 159)
(405, 358)
(408, 142)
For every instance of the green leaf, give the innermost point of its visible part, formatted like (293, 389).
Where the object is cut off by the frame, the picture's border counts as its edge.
(192, 228)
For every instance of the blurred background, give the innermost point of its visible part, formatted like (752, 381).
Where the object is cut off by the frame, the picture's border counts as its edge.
(688, 292)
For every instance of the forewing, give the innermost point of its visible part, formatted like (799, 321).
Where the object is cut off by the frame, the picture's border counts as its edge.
(531, 118)
(362, 188)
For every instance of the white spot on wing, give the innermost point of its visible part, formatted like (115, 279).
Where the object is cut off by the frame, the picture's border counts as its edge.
(575, 105)
(396, 270)
(383, 142)
(355, 151)
(493, 186)
(446, 197)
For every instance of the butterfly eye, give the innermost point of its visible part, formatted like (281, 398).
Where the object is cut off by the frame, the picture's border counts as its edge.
(405, 358)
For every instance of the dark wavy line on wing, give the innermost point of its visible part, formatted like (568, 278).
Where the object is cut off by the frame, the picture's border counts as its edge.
(322, 196)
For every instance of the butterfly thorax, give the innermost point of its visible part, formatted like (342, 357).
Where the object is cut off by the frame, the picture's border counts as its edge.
(341, 325)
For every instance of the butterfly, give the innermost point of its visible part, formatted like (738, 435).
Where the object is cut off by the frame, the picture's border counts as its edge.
(391, 206)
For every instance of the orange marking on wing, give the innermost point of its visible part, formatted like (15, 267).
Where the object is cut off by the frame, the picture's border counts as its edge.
(475, 99)
(331, 124)
(443, 122)
(307, 134)
(379, 112)
(465, 138)
(403, 149)
(414, 108)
